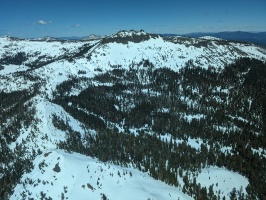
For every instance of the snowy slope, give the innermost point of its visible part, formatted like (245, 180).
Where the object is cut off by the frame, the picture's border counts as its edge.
(81, 177)
(222, 180)
(39, 51)
(167, 54)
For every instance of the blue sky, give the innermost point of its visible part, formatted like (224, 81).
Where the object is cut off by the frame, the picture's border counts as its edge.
(38, 18)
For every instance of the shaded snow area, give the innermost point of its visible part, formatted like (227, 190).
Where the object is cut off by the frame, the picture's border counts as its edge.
(9, 69)
(74, 176)
(222, 179)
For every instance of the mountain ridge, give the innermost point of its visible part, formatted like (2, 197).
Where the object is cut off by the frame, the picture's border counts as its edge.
(258, 38)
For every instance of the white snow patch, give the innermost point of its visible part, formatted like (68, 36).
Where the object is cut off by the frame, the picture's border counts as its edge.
(222, 179)
(8, 69)
(81, 177)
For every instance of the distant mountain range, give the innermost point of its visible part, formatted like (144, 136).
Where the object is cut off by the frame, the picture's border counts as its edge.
(256, 38)
(89, 37)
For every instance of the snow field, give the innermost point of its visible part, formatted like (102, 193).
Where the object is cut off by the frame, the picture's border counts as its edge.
(82, 177)
(222, 179)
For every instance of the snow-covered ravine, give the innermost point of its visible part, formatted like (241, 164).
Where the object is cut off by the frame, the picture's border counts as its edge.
(43, 135)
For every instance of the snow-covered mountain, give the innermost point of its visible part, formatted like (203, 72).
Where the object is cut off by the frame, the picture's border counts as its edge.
(42, 80)
(93, 37)
(46, 38)
(132, 46)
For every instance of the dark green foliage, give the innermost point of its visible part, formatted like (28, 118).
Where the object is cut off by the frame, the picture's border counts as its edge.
(104, 197)
(90, 120)
(59, 123)
(82, 50)
(15, 113)
(8, 99)
(12, 105)
(57, 168)
(16, 59)
(256, 76)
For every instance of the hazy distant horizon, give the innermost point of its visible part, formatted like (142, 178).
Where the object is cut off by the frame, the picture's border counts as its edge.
(163, 33)
(33, 19)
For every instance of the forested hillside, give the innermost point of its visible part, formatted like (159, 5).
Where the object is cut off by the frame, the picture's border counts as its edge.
(146, 117)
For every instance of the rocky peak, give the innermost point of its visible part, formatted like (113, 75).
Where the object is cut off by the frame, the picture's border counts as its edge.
(125, 36)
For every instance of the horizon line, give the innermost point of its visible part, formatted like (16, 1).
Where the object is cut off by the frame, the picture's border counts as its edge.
(174, 34)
